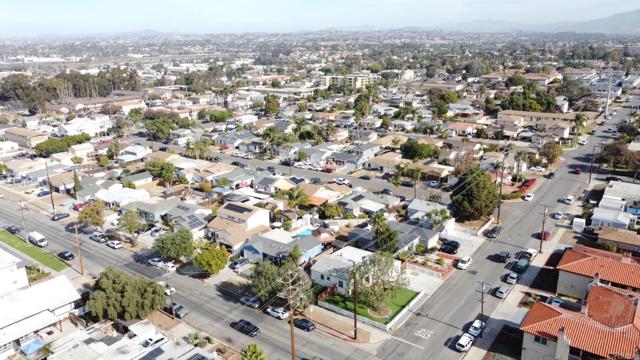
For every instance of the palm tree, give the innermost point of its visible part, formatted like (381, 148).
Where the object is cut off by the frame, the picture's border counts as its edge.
(297, 197)
(377, 219)
(521, 156)
(578, 123)
(201, 149)
(189, 150)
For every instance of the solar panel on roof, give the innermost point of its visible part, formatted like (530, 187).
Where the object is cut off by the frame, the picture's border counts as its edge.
(196, 357)
(153, 354)
(237, 208)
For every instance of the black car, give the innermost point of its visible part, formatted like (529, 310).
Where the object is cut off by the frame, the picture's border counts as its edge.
(304, 324)
(66, 255)
(502, 256)
(238, 164)
(246, 327)
(551, 175)
(176, 309)
(365, 177)
(494, 232)
(386, 191)
(613, 178)
(163, 148)
(59, 216)
(451, 243)
(315, 180)
(407, 183)
(449, 250)
(12, 229)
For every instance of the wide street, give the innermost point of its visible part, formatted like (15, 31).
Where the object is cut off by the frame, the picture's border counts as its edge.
(435, 326)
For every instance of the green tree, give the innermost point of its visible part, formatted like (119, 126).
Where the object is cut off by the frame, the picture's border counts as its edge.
(302, 155)
(3, 168)
(114, 149)
(431, 72)
(160, 128)
(551, 151)
(77, 184)
(296, 254)
(161, 169)
(175, 246)
(223, 181)
(271, 105)
(58, 145)
(130, 222)
(253, 352)
(92, 214)
(515, 80)
(77, 160)
(297, 197)
(617, 155)
(212, 259)
(118, 295)
(414, 150)
(266, 280)
(103, 161)
(330, 211)
(376, 277)
(475, 195)
(385, 238)
(578, 123)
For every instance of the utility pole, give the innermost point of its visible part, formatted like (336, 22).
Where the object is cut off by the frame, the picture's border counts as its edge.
(24, 223)
(501, 184)
(46, 169)
(79, 251)
(544, 219)
(291, 327)
(482, 288)
(593, 155)
(355, 303)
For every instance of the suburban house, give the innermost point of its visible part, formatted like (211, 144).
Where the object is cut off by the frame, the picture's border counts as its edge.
(28, 309)
(355, 157)
(133, 153)
(607, 326)
(25, 137)
(237, 178)
(153, 209)
(603, 216)
(319, 194)
(235, 223)
(625, 191)
(272, 184)
(408, 237)
(139, 179)
(581, 266)
(622, 239)
(83, 151)
(189, 216)
(117, 195)
(459, 128)
(333, 270)
(84, 125)
(419, 211)
(367, 203)
(386, 162)
(276, 245)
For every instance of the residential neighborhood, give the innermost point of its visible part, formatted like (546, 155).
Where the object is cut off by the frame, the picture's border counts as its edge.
(330, 194)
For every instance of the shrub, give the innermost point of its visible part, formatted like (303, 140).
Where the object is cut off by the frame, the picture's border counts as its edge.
(512, 196)
(420, 249)
(440, 262)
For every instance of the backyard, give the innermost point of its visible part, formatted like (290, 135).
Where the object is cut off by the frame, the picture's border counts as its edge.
(396, 300)
(34, 252)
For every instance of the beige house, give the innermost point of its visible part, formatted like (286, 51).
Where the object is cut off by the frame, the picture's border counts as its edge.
(82, 150)
(623, 239)
(235, 223)
(25, 137)
(386, 162)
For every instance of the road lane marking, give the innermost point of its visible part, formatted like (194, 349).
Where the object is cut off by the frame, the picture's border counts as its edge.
(424, 333)
(408, 342)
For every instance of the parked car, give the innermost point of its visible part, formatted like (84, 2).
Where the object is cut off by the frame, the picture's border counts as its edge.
(503, 256)
(315, 180)
(386, 191)
(43, 193)
(168, 266)
(78, 206)
(12, 229)
(176, 309)
(163, 148)
(155, 261)
(407, 183)
(304, 324)
(495, 231)
(66, 255)
(582, 141)
(521, 266)
(528, 197)
(503, 291)
(250, 301)
(529, 254)
(558, 215)
(511, 278)
(246, 327)
(59, 216)
(465, 342)
(168, 289)
(476, 327)
(613, 178)
(365, 177)
(464, 263)
(236, 265)
(434, 183)
(277, 312)
(543, 235)
(568, 199)
(98, 237)
(451, 243)
(449, 250)
(114, 244)
(577, 171)
(551, 175)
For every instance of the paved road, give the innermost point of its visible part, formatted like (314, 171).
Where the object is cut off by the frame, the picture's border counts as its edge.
(211, 310)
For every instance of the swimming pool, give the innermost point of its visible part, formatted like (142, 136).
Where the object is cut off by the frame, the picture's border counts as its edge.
(303, 232)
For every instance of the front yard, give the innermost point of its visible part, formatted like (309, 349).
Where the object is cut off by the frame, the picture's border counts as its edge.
(395, 300)
(34, 252)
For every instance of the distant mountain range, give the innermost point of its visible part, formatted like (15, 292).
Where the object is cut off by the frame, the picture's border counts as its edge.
(627, 23)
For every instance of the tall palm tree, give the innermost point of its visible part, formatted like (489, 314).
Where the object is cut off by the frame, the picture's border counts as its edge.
(521, 156)
(297, 197)
(578, 124)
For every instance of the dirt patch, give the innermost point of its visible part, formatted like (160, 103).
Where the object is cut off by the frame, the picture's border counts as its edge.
(506, 346)
(162, 320)
(474, 225)
(384, 312)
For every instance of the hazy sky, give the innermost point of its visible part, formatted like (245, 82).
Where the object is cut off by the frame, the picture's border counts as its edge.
(33, 17)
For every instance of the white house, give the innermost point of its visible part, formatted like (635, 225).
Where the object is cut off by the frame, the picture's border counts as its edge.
(82, 150)
(85, 125)
(133, 153)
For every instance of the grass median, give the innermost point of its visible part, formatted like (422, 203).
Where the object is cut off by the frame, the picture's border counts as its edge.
(34, 252)
(396, 300)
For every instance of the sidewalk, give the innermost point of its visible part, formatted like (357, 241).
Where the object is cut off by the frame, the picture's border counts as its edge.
(342, 327)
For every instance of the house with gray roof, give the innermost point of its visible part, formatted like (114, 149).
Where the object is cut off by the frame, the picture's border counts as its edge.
(151, 210)
(138, 179)
(276, 245)
(367, 203)
(408, 237)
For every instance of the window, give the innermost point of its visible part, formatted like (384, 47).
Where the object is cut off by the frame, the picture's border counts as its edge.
(540, 340)
(340, 284)
(321, 277)
(328, 278)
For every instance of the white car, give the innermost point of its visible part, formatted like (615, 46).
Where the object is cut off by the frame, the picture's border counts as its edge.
(503, 291)
(537, 168)
(114, 244)
(155, 262)
(476, 328)
(464, 263)
(528, 197)
(582, 141)
(278, 313)
(568, 200)
(168, 266)
(169, 291)
(512, 278)
(434, 183)
(558, 215)
(531, 253)
(465, 342)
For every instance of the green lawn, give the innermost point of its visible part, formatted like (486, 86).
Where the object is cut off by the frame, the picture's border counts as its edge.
(36, 253)
(396, 301)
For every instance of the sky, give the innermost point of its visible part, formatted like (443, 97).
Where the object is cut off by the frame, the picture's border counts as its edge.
(72, 17)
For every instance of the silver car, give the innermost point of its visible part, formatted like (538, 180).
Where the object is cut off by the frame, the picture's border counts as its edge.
(503, 291)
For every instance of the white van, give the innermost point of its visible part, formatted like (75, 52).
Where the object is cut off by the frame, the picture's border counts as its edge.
(38, 239)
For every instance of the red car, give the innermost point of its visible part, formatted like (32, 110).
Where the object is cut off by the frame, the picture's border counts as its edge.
(577, 171)
(387, 176)
(78, 206)
(544, 236)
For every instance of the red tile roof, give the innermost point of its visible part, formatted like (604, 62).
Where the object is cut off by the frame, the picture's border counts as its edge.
(612, 327)
(609, 266)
